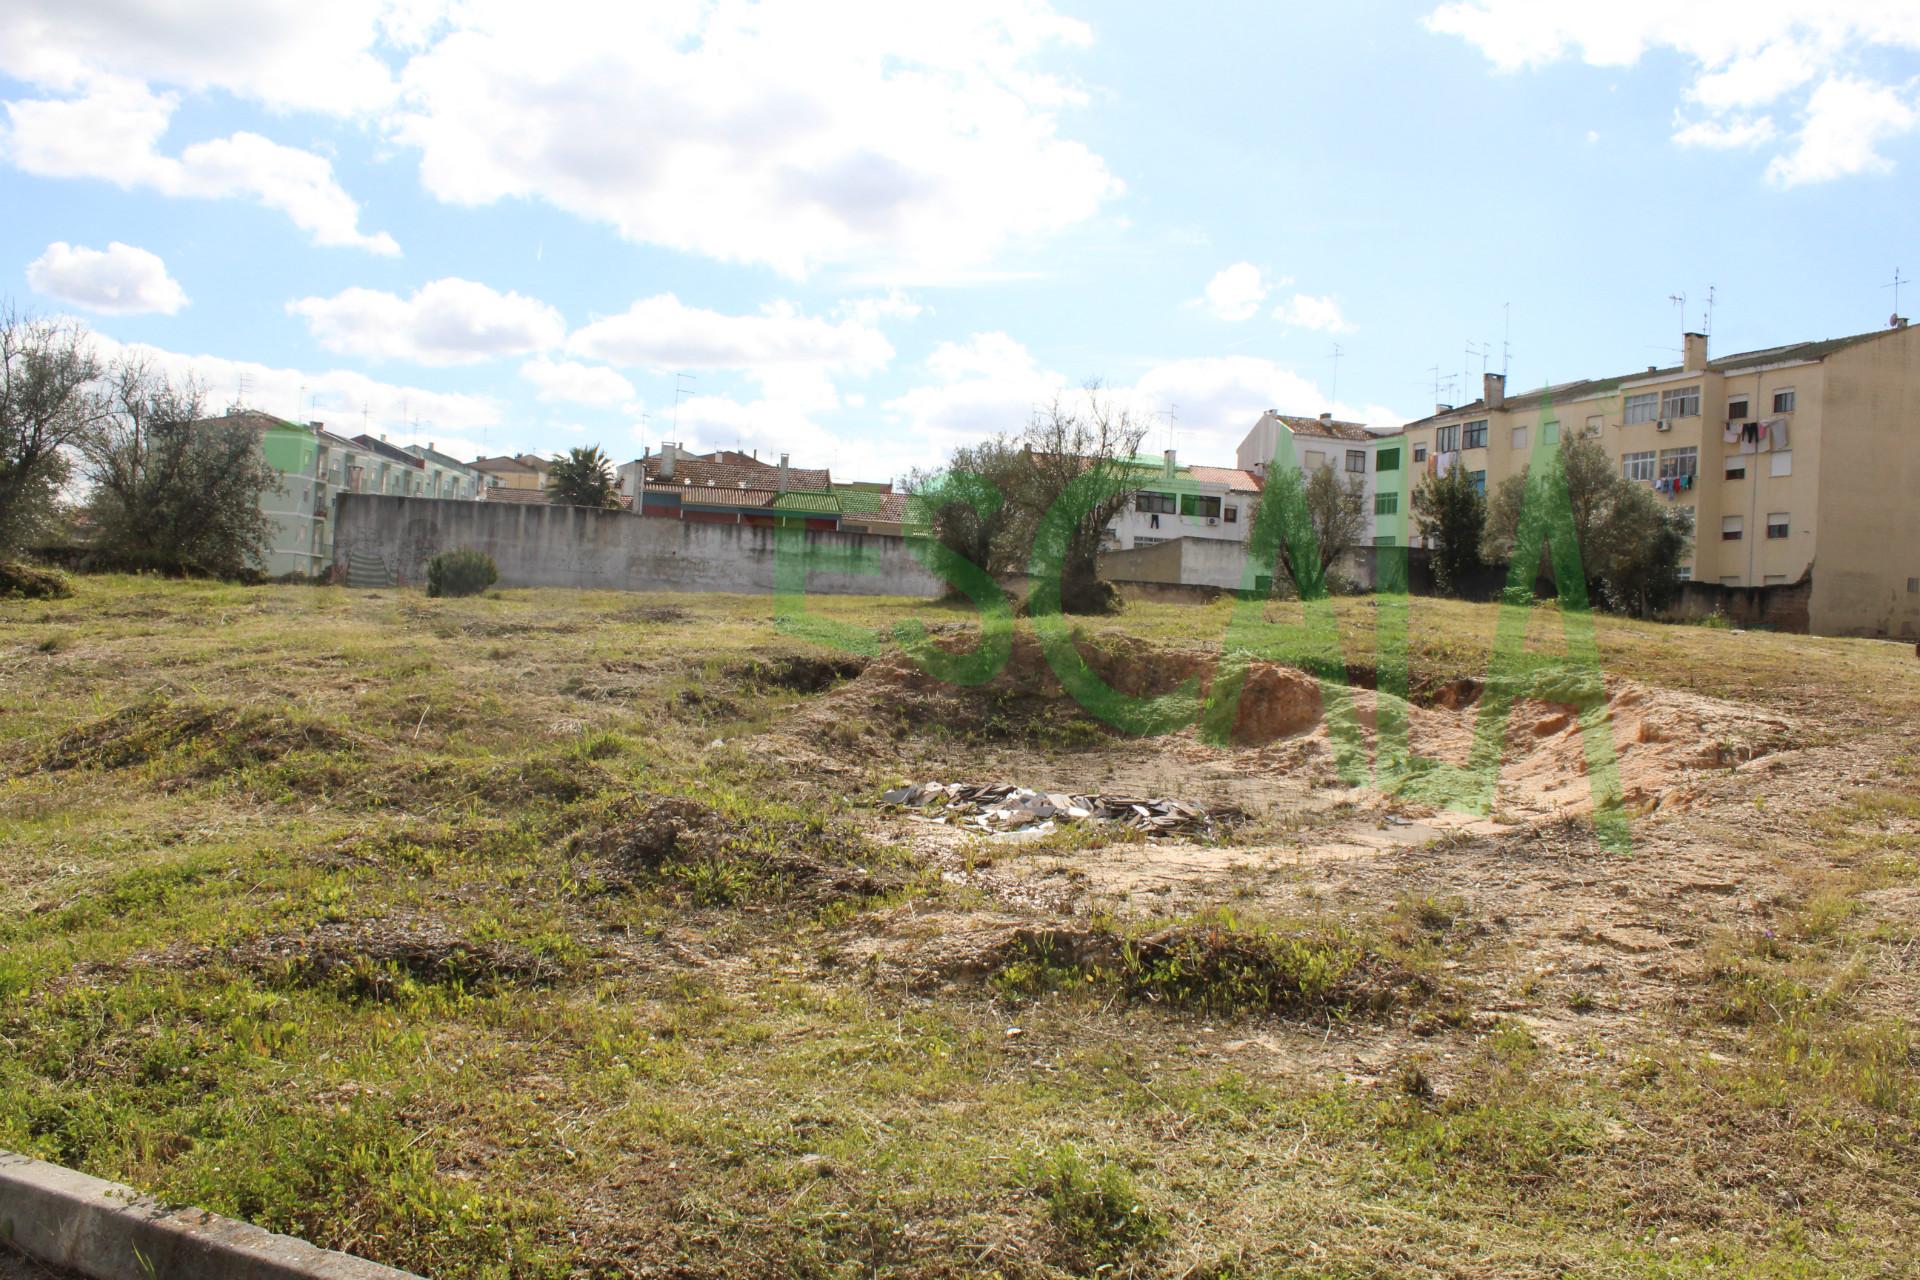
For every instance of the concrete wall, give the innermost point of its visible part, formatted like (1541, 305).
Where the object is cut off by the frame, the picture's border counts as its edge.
(1779, 608)
(387, 541)
(1192, 562)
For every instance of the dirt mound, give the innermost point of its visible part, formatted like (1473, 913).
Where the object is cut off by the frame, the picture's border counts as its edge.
(797, 673)
(712, 857)
(1026, 702)
(19, 581)
(375, 960)
(209, 738)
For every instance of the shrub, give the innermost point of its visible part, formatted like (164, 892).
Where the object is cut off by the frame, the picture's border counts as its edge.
(465, 572)
(19, 581)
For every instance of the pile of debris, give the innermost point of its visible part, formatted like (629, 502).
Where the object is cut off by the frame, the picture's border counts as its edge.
(1004, 809)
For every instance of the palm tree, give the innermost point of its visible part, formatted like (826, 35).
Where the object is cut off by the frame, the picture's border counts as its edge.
(584, 478)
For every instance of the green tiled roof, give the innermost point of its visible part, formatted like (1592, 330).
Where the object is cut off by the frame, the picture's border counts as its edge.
(822, 502)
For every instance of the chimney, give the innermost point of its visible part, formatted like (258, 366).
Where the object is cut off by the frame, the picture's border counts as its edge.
(1172, 466)
(1696, 359)
(1443, 408)
(667, 453)
(1494, 389)
(783, 473)
(1326, 419)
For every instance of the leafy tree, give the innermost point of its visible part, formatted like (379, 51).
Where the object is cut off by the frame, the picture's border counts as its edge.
(171, 491)
(584, 478)
(966, 501)
(1087, 455)
(46, 406)
(1451, 514)
(1630, 544)
(1336, 512)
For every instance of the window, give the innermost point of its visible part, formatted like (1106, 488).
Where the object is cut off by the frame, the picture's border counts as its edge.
(1519, 439)
(1774, 580)
(1780, 463)
(1913, 586)
(1638, 466)
(1446, 439)
(1386, 504)
(1783, 400)
(1643, 408)
(1385, 540)
(1233, 515)
(1195, 504)
(1684, 461)
(1736, 409)
(1479, 479)
(1387, 460)
(1474, 435)
(1594, 422)
(1732, 529)
(1550, 431)
(1684, 573)
(1680, 402)
(1419, 453)
(1161, 504)
(1148, 542)
(1357, 460)
(1736, 468)
(1778, 525)
(1315, 460)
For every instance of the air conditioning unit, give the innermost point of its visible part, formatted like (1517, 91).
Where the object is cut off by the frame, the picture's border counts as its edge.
(1213, 519)
(1663, 425)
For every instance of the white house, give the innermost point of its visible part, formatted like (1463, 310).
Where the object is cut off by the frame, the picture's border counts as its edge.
(1187, 502)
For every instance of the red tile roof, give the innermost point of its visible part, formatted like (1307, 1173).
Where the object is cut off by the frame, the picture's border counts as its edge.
(732, 475)
(1232, 477)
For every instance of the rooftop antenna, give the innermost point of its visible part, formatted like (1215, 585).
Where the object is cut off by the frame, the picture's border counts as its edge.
(1466, 367)
(1506, 346)
(1435, 371)
(679, 386)
(1680, 300)
(242, 383)
(1173, 418)
(1338, 351)
(301, 415)
(1894, 321)
(1710, 297)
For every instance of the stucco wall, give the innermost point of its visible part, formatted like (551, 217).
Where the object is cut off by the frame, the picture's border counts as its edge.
(382, 540)
(1869, 505)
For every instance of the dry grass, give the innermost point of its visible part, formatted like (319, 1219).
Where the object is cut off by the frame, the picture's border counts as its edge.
(523, 935)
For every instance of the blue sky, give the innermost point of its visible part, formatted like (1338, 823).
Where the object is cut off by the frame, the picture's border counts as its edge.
(866, 234)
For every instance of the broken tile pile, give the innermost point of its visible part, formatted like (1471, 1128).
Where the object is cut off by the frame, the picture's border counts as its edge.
(1004, 809)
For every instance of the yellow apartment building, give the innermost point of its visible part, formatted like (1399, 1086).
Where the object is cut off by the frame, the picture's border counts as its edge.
(1799, 465)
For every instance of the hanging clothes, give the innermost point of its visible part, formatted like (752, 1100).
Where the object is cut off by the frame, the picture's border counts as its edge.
(1732, 434)
(1750, 432)
(1777, 433)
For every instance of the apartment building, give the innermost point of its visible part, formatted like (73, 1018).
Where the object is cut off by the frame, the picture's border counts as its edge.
(1797, 463)
(1353, 451)
(1187, 502)
(525, 471)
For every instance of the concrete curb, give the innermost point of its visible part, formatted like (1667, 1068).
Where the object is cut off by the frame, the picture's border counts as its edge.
(105, 1231)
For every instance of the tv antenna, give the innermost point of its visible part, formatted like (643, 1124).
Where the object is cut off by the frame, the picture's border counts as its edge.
(1711, 291)
(679, 388)
(1338, 351)
(1680, 300)
(1173, 425)
(1894, 285)
(1506, 335)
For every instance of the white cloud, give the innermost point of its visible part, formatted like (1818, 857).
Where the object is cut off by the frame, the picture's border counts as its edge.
(1744, 56)
(910, 140)
(991, 384)
(348, 402)
(448, 321)
(1726, 134)
(120, 279)
(1846, 121)
(574, 383)
(112, 131)
(891, 305)
(1236, 292)
(662, 332)
(289, 54)
(1304, 311)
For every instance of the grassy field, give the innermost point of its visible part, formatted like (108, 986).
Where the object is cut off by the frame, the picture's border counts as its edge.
(558, 933)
